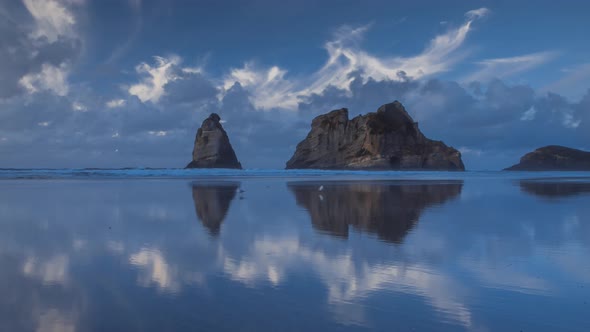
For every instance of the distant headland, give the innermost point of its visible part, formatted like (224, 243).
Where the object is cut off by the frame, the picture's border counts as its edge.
(553, 158)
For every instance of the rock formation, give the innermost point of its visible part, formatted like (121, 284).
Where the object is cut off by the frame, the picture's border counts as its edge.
(388, 209)
(212, 148)
(553, 158)
(386, 139)
(212, 201)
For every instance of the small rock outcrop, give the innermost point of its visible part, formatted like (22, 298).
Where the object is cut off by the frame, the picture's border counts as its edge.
(553, 158)
(387, 139)
(212, 148)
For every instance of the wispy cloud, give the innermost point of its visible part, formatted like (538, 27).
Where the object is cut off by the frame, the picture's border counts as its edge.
(574, 81)
(52, 19)
(271, 88)
(155, 77)
(115, 103)
(510, 66)
(50, 78)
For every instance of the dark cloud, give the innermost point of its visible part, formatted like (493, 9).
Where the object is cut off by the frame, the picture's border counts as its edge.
(21, 54)
(492, 123)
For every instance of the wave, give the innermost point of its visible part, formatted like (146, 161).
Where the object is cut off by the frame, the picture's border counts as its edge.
(171, 173)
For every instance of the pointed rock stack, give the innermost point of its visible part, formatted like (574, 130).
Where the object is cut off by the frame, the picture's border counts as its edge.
(387, 139)
(212, 147)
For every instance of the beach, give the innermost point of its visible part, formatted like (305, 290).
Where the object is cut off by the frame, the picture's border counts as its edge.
(257, 252)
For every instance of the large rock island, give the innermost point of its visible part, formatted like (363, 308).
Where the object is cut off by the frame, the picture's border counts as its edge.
(212, 148)
(386, 139)
(553, 158)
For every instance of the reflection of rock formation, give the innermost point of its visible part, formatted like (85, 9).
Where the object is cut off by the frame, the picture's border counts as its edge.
(388, 209)
(555, 188)
(212, 200)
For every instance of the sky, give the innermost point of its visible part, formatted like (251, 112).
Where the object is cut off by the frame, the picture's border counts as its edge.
(109, 83)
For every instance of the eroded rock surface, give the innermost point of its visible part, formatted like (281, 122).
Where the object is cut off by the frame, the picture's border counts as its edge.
(386, 139)
(212, 147)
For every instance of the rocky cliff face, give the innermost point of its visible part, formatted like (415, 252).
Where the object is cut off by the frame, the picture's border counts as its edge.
(553, 158)
(386, 139)
(212, 148)
(388, 209)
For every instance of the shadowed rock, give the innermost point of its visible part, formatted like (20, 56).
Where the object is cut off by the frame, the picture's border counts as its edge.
(388, 209)
(553, 158)
(386, 139)
(555, 188)
(212, 147)
(212, 201)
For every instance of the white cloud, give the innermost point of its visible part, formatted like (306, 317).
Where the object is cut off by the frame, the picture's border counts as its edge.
(51, 271)
(573, 83)
(269, 88)
(52, 19)
(506, 67)
(50, 78)
(477, 13)
(570, 122)
(192, 70)
(159, 133)
(115, 103)
(155, 78)
(529, 115)
(79, 107)
(465, 150)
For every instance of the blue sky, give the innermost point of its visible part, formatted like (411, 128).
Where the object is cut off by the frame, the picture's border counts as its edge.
(127, 83)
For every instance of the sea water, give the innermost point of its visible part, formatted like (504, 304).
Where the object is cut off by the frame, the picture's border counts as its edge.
(269, 250)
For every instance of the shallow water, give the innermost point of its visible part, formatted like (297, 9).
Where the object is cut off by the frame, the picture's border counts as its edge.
(158, 250)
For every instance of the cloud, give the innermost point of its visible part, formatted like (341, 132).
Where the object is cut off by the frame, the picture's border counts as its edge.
(574, 82)
(115, 103)
(154, 79)
(50, 78)
(477, 13)
(270, 87)
(38, 45)
(52, 19)
(267, 108)
(506, 67)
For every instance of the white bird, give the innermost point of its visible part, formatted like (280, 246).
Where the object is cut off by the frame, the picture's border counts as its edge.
(321, 188)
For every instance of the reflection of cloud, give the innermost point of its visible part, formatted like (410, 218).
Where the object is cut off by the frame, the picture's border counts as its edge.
(507, 277)
(346, 281)
(157, 270)
(167, 277)
(52, 271)
(116, 247)
(54, 321)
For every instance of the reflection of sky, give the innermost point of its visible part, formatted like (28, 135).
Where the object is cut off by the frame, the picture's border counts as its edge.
(130, 251)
